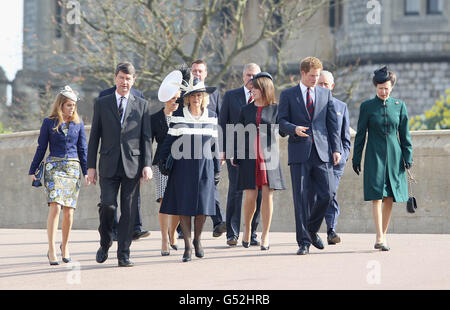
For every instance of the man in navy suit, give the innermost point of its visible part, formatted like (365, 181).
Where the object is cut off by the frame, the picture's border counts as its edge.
(199, 70)
(138, 231)
(233, 101)
(326, 80)
(306, 113)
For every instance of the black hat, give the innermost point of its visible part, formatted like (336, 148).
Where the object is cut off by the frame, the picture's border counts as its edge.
(262, 74)
(195, 86)
(381, 75)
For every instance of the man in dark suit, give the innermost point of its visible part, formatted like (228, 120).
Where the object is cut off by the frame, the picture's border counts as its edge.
(199, 70)
(138, 231)
(306, 113)
(233, 101)
(122, 122)
(326, 80)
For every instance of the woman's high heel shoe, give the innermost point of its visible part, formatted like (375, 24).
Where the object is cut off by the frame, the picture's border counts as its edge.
(66, 260)
(245, 244)
(198, 249)
(173, 246)
(51, 263)
(187, 255)
(165, 253)
(264, 248)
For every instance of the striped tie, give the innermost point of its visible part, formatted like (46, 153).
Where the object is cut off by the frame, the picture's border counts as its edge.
(121, 108)
(309, 103)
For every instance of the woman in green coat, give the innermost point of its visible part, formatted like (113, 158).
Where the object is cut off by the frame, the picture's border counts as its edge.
(388, 152)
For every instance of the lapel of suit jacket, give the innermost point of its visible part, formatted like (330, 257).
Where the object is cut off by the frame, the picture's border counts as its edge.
(130, 106)
(300, 101)
(114, 108)
(318, 101)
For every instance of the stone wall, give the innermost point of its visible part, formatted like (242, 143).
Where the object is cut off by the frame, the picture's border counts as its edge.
(22, 206)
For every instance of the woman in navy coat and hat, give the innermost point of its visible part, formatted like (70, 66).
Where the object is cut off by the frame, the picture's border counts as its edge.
(190, 156)
(259, 158)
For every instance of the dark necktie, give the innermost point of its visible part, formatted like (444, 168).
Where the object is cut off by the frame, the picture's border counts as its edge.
(309, 103)
(121, 108)
(250, 99)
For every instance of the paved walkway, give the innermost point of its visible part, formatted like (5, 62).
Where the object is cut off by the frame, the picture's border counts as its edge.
(414, 262)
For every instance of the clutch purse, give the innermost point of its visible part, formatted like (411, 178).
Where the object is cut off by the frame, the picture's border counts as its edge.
(166, 167)
(38, 175)
(411, 205)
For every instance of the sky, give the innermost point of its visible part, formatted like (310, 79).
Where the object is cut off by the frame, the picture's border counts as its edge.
(11, 36)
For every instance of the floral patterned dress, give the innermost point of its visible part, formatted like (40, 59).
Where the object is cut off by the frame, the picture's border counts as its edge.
(62, 179)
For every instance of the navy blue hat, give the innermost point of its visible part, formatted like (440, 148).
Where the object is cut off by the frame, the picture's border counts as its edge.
(262, 74)
(381, 75)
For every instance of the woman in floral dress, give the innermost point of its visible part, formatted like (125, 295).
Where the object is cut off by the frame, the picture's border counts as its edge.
(64, 132)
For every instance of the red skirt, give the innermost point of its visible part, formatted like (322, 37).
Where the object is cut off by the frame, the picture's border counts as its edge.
(260, 169)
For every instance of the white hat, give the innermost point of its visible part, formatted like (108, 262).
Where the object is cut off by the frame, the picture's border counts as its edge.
(170, 86)
(69, 93)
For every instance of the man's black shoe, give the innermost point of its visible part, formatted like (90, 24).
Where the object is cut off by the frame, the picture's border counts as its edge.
(232, 241)
(332, 237)
(303, 250)
(254, 242)
(102, 255)
(140, 234)
(219, 229)
(125, 263)
(316, 241)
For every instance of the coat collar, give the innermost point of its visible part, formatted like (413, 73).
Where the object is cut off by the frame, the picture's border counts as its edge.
(190, 118)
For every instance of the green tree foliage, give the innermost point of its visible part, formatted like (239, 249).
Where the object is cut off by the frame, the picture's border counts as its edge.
(438, 117)
(3, 130)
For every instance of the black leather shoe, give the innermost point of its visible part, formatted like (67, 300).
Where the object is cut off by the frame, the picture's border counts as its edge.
(187, 255)
(66, 260)
(102, 255)
(198, 249)
(245, 244)
(174, 246)
(232, 241)
(140, 234)
(385, 247)
(254, 242)
(263, 248)
(303, 250)
(332, 237)
(125, 262)
(377, 246)
(316, 240)
(219, 229)
(51, 263)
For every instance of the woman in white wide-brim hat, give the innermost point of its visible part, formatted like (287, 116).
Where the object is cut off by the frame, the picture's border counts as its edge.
(192, 147)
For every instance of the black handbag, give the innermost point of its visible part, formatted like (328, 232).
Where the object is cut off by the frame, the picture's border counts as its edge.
(38, 175)
(166, 166)
(411, 205)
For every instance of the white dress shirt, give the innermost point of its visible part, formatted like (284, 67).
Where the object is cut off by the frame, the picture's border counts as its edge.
(247, 94)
